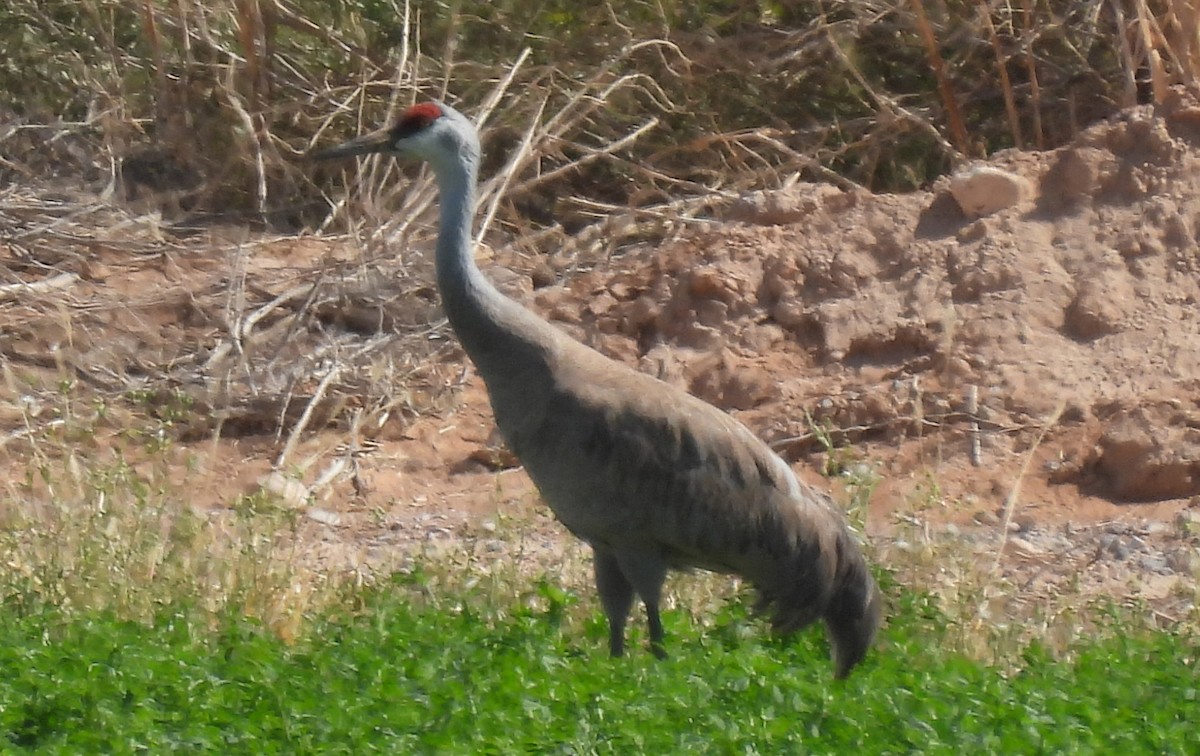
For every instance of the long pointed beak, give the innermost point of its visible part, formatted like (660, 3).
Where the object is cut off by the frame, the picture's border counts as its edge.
(376, 141)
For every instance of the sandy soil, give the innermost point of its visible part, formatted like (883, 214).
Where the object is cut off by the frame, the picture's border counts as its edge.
(1025, 383)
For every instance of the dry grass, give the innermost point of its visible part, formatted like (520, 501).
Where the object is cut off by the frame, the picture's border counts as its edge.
(341, 330)
(96, 526)
(206, 107)
(94, 523)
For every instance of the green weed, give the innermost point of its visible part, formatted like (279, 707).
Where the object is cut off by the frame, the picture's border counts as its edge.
(397, 673)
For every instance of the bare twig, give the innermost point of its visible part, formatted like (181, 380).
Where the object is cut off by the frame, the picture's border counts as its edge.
(60, 281)
(958, 130)
(305, 417)
(891, 108)
(1010, 503)
(1129, 70)
(1035, 89)
(973, 412)
(497, 187)
(1151, 38)
(1010, 104)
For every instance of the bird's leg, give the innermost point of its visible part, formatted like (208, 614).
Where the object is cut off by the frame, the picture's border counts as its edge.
(656, 630)
(646, 572)
(616, 595)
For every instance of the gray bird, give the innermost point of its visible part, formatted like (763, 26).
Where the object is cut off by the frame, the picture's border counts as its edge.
(652, 478)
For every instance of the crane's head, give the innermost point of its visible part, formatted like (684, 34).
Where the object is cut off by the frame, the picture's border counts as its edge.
(429, 131)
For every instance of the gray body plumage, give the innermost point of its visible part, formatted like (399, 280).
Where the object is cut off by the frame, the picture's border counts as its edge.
(652, 478)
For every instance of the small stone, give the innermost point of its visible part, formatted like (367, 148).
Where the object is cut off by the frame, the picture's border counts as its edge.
(1025, 547)
(324, 516)
(987, 518)
(1114, 547)
(1155, 564)
(1157, 527)
(291, 492)
(1184, 561)
(984, 190)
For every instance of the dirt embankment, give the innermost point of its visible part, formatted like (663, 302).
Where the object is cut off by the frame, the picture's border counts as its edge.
(880, 315)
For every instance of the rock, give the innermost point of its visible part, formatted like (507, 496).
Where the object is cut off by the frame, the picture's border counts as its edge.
(1146, 456)
(324, 516)
(1155, 564)
(1024, 546)
(1112, 546)
(1157, 527)
(984, 190)
(291, 492)
(1025, 523)
(1185, 561)
(985, 517)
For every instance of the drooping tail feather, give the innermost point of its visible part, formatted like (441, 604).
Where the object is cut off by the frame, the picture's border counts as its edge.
(854, 613)
(822, 579)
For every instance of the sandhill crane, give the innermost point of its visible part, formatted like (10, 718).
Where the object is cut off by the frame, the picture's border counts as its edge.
(651, 477)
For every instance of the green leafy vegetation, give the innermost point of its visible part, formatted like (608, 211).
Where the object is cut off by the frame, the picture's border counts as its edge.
(467, 674)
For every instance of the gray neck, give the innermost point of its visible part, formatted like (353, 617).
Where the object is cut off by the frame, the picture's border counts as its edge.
(505, 341)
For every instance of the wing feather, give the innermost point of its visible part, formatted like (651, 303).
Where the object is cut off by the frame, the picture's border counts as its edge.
(624, 458)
